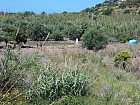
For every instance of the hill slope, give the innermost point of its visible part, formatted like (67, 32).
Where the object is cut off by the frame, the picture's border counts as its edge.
(115, 6)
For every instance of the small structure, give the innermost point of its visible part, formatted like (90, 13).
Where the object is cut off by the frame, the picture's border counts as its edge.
(132, 42)
(76, 40)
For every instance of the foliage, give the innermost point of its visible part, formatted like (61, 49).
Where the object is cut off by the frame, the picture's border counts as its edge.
(52, 85)
(94, 39)
(4, 37)
(14, 71)
(108, 6)
(69, 25)
(139, 12)
(7, 75)
(124, 34)
(11, 98)
(8, 33)
(127, 11)
(11, 33)
(108, 11)
(122, 27)
(21, 38)
(75, 32)
(132, 2)
(122, 59)
(107, 86)
(122, 38)
(122, 5)
(70, 100)
(36, 30)
(57, 35)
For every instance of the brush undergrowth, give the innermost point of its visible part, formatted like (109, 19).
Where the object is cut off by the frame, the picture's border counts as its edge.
(107, 86)
(78, 79)
(16, 72)
(51, 85)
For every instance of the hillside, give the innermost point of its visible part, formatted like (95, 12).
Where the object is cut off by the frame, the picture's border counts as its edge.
(115, 6)
(100, 69)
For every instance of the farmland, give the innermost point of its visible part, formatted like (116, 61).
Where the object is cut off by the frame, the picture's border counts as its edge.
(42, 64)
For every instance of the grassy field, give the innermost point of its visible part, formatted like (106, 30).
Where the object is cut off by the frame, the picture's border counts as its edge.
(107, 85)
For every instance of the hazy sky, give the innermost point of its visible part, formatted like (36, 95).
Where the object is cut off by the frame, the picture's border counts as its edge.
(49, 6)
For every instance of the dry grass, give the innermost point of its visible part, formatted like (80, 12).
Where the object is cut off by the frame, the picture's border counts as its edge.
(120, 87)
(112, 49)
(107, 56)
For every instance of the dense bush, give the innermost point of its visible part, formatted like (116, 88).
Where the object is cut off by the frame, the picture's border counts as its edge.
(127, 11)
(4, 37)
(139, 12)
(14, 32)
(75, 32)
(123, 38)
(70, 100)
(122, 5)
(94, 39)
(52, 85)
(122, 59)
(108, 11)
(14, 72)
(21, 38)
(36, 30)
(8, 33)
(57, 35)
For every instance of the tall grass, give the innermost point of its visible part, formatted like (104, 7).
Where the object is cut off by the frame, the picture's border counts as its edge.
(15, 74)
(51, 85)
(77, 79)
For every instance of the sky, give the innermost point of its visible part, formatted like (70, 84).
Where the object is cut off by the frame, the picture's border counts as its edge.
(48, 6)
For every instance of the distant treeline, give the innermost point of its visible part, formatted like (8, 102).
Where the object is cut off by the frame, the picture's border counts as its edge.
(20, 26)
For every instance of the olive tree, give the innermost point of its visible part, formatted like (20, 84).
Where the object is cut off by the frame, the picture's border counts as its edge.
(4, 37)
(94, 39)
(75, 32)
(36, 31)
(57, 35)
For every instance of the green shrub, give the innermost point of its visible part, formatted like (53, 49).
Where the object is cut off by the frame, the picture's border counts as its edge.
(70, 100)
(57, 35)
(108, 11)
(122, 59)
(5, 37)
(139, 12)
(14, 97)
(94, 39)
(52, 85)
(75, 32)
(122, 5)
(127, 11)
(14, 71)
(123, 38)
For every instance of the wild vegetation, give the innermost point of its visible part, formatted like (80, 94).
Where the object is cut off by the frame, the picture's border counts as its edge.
(22, 26)
(109, 7)
(74, 77)
(56, 71)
